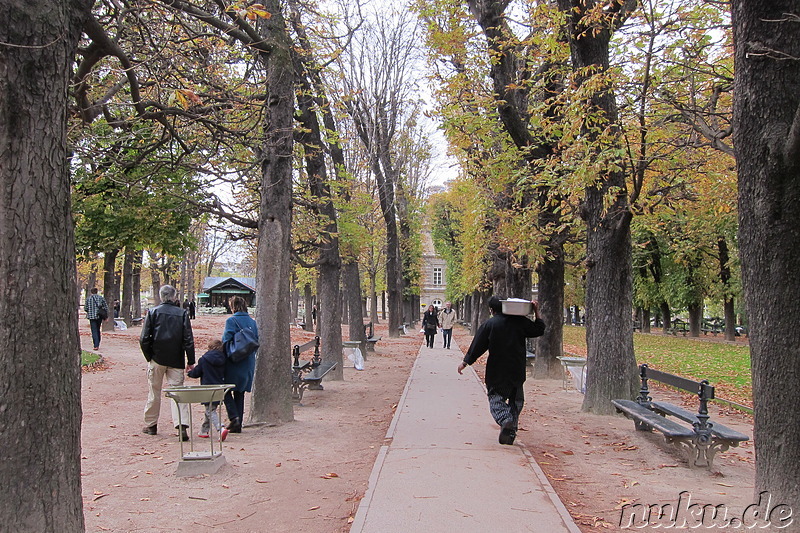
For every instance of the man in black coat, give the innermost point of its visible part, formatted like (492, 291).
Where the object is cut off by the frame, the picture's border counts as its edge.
(167, 343)
(504, 336)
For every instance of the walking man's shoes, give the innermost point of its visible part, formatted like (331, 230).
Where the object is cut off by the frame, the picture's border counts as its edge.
(150, 430)
(507, 436)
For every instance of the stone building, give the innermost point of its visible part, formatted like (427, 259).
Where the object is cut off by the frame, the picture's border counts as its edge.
(434, 276)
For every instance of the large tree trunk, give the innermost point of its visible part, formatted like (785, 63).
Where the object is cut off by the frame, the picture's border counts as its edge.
(40, 375)
(271, 401)
(767, 139)
(609, 293)
(329, 312)
(551, 298)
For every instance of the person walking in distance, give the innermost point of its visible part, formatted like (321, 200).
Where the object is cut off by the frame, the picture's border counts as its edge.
(430, 323)
(167, 343)
(504, 337)
(96, 309)
(447, 318)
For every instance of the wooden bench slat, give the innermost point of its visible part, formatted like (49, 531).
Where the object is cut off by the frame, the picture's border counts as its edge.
(667, 427)
(717, 429)
(681, 382)
(319, 372)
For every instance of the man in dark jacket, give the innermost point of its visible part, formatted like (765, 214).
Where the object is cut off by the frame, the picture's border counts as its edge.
(168, 346)
(504, 336)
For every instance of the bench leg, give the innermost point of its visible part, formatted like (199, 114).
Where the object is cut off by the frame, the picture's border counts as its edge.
(314, 385)
(701, 454)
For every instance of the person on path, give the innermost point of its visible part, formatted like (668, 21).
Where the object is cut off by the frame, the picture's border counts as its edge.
(192, 310)
(430, 323)
(95, 306)
(239, 373)
(447, 318)
(210, 369)
(504, 337)
(167, 343)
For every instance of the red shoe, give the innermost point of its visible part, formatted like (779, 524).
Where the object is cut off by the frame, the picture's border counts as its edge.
(203, 435)
(223, 434)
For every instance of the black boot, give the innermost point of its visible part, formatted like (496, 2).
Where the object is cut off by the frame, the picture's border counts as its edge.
(235, 426)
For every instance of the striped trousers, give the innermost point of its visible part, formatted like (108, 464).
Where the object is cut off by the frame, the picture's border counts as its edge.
(505, 404)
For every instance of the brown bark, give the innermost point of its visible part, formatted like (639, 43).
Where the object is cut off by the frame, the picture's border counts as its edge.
(271, 401)
(39, 368)
(609, 293)
(766, 125)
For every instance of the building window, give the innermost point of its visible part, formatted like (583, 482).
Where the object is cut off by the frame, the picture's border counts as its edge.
(437, 275)
(437, 303)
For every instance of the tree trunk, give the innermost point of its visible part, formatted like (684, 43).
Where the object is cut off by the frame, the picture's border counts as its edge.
(373, 299)
(666, 317)
(551, 298)
(352, 290)
(695, 318)
(40, 375)
(136, 285)
(725, 278)
(110, 286)
(309, 304)
(155, 279)
(127, 287)
(271, 401)
(329, 314)
(766, 125)
(609, 294)
(645, 320)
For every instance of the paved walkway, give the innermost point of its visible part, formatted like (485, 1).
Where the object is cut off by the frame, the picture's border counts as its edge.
(441, 468)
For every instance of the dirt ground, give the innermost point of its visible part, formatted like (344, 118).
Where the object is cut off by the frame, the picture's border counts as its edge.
(309, 475)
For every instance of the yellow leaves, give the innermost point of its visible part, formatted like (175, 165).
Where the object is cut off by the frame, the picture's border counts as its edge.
(185, 98)
(251, 12)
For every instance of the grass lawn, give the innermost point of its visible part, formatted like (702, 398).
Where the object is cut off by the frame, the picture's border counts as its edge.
(726, 366)
(87, 358)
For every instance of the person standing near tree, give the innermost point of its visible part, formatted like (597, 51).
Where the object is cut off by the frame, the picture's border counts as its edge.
(504, 336)
(447, 318)
(96, 309)
(239, 373)
(167, 343)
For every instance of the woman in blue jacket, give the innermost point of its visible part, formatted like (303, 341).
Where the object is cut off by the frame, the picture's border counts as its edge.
(239, 373)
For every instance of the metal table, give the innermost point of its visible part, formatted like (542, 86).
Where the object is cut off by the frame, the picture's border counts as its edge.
(190, 394)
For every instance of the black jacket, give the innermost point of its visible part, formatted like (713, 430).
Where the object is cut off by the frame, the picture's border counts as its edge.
(167, 336)
(210, 368)
(430, 321)
(504, 336)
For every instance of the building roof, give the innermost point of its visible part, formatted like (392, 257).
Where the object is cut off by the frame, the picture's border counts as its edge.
(212, 283)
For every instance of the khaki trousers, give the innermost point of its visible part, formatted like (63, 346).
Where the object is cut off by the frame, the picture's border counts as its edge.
(155, 378)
